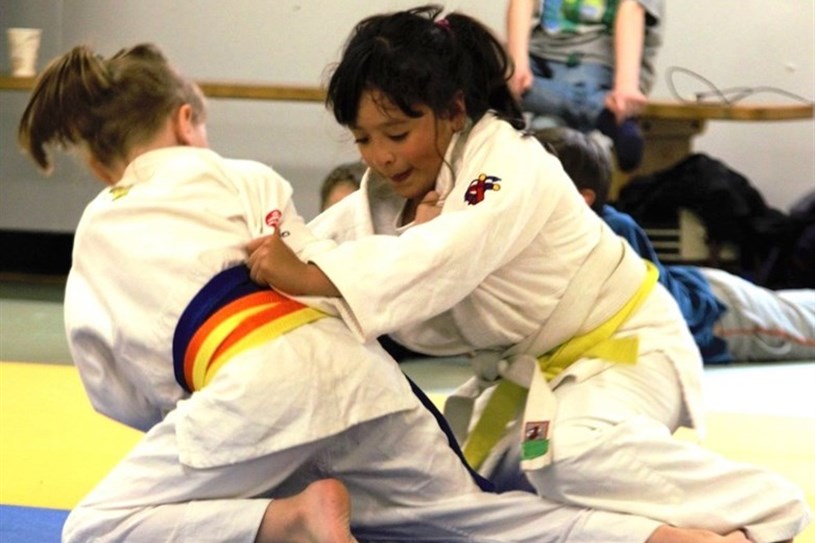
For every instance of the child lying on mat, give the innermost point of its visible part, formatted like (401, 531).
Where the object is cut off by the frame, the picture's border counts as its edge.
(730, 318)
(266, 419)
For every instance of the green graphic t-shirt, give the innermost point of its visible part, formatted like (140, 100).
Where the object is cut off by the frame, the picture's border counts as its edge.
(577, 31)
(577, 16)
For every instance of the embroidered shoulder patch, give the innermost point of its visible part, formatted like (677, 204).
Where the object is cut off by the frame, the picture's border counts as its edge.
(478, 188)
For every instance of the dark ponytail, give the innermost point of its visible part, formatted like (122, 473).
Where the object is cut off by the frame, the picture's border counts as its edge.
(414, 58)
(489, 67)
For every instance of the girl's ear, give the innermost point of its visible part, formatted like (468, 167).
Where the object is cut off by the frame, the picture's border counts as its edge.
(589, 196)
(183, 124)
(458, 112)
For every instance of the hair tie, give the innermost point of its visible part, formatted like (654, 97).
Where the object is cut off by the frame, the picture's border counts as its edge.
(444, 23)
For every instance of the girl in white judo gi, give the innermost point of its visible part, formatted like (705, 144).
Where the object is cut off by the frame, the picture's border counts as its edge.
(263, 416)
(586, 358)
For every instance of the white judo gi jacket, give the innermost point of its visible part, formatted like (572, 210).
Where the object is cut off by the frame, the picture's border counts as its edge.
(176, 218)
(516, 260)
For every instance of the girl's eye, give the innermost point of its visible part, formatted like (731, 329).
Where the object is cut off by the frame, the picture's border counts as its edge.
(398, 137)
(362, 140)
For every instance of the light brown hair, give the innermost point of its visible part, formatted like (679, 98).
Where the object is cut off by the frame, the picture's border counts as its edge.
(110, 105)
(349, 173)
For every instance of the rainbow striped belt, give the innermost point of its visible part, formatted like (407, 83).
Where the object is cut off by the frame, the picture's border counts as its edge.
(228, 316)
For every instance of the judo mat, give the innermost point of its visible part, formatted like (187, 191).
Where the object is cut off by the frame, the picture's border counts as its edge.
(54, 448)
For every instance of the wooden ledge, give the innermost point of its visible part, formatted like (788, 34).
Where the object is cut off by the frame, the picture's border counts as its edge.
(656, 109)
(249, 91)
(8, 82)
(214, 89)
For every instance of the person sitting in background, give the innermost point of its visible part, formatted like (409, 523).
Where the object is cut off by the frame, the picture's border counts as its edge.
(340, 182)
(587, 65)
(730, 318)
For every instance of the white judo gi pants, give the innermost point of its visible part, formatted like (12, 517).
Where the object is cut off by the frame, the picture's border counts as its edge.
(405, 482)
(762, 324)
(613, 450)
(404, 487)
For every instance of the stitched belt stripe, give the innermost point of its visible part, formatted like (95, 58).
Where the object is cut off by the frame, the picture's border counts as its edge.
(228, 316)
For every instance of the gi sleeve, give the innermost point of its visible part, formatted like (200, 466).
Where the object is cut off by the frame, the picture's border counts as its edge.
(504, 193)
(267, 199)
(109, 389)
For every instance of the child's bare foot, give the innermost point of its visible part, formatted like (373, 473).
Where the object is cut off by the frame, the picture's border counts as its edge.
(671, 534)
(319, 514)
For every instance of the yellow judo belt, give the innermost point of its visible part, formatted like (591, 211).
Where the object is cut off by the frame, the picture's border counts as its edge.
(228, 316)
(508, 397)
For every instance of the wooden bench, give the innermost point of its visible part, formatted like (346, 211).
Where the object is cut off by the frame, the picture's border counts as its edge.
(669, 128)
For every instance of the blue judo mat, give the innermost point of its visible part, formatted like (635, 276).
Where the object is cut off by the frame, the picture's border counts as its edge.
(31, 524)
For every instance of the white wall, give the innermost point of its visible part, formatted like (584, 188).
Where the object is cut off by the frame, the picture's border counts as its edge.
(290, 41)
(749, 43)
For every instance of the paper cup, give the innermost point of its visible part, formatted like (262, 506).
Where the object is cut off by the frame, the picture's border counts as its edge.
(23, 46)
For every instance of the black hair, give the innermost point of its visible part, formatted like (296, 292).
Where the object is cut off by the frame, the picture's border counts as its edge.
(415, 59)
(583, 157)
